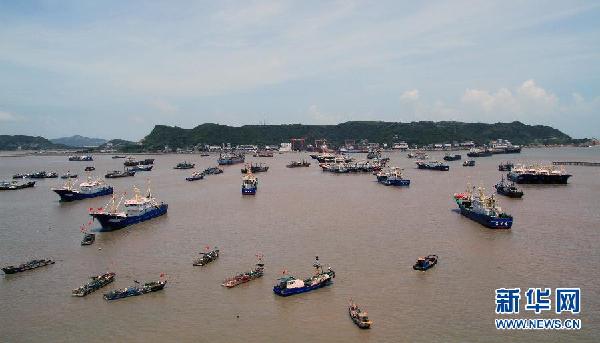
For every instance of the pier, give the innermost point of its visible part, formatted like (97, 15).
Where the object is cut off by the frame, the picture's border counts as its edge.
(576, 163)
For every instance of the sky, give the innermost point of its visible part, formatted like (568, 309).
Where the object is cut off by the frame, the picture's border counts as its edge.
(114, 69)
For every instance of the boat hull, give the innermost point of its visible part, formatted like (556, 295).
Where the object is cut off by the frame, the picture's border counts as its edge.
(291, 291)
(538, 179)
(487, 221)
(249, 191)
(393, 182)
(112, 222)
(70, 195)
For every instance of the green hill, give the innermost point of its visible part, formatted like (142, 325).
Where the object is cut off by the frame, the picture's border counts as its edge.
(423, 132)
(10, 142)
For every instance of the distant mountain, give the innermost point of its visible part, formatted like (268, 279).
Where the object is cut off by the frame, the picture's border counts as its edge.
(423, 132)
(121, 145)
(8, 142)
(79, 141)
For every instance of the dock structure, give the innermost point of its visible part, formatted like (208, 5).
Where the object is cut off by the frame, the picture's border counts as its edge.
(576, 163)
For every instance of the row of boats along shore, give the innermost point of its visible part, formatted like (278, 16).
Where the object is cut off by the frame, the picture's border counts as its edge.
(473, 203)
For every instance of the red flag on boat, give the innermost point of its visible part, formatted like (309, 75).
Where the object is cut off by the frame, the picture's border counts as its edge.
(90, 222)
(162, 274)
(99, 208)
(91, 209)
(207, 247)
(284, 271)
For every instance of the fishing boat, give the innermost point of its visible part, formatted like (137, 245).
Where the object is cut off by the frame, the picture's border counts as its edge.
(117, 174)
(184, 165)
(483, 209)
(195, 176)
(33, 264)
(256, 168)
(476, 152)
(68, 175)
(118, 156)
(81, 158)
(290, 285)
(505, 166)
(469, 163)
(43, 175)
(232, 158)
(263, 153)
(392, 177)
(14, 185)
(136, 290)
(449, 157)
(88, 239)
(137, 209)
(89, 168)
(206, 257)
(421, 155)
(130, 162)
(249, 184)
(359, 317)
(252, 274)
(95, 283)
(373, 154)
(296, 164)
(141, 167)
(20, 176)
(424, 263)
(212, 171)
(435, 165)
(538, 175)
(204, 154)
(510, 190)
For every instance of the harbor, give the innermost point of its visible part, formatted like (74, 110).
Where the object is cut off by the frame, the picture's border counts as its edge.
(295, 216)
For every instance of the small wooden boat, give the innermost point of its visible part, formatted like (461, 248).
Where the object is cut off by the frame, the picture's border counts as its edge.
(88, 239)
(359, 317)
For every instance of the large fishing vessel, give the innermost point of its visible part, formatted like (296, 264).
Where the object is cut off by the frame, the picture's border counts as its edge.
(538, 174)
(130, 162)
(289, 285)
(233, 158)
(510, 190)
(89, 189)
(33, 264)
(482, 209)
(476, 152)
(249, 183)
(392, 177)
(137, 209)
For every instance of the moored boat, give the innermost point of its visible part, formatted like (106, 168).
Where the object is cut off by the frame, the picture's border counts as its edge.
(195, 176)
(252, 274)
(95, 283)
(249, 184)
(435, 165)
(90, 168)
(184, 165)
(424, 263)
(14, 185)
(256, 168)
(206, 257)
(88, 239)
(137, 209)
(141, 167)
(483, 209)
(538, 175)
(212, 171)
(290, 285)
(469, 163)
(118, 156)
(505, 166)
(130, 162)
(68, 175)
(33, 264)
(296, 164)
(136, 290)
(392, 177)
(359, 317)
(476, 152)
(117, 174)
(510, 190)
(233, 158)
(89, 189)
(449, 157)
(81, 158)
(43, 175)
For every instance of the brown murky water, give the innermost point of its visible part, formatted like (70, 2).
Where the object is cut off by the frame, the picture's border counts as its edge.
(370, 235)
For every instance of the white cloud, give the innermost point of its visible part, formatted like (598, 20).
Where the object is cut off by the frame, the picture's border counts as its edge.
(7, 116)
(411, 95)
(163, 106)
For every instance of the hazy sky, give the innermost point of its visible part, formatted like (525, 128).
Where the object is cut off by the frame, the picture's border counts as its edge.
(114, 69)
